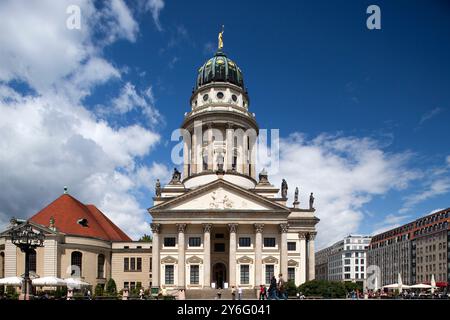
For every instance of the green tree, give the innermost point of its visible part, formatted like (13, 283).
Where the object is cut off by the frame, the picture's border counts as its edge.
(111, 288)
(146, 238)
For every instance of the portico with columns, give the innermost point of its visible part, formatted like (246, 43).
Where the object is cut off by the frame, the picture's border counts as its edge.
(216, 224)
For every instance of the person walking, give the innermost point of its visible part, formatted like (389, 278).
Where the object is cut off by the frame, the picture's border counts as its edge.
(233, 293)
(281, 287)
(262, 292)
(240, 293)
(273, 288)
(141, 294)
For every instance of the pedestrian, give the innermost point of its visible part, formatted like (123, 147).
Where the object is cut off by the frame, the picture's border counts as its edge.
(240, 293)
(273, 288)
(69, 294)
(281, 287)
(125, 294)
(233, 293)
(262, 292)
(141, 294)
(219, 293)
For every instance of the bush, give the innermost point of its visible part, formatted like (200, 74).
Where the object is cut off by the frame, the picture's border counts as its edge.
(111, 288)
(325, 289)
(291, 288)
(98, 291)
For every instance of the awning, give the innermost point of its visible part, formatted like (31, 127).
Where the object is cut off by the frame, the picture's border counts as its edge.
(49, 282)
(11, 281)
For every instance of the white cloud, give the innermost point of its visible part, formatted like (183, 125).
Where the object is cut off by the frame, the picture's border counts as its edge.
(448, 160)
(49, 138)
(344, 173)
(433, 189)
(130, 99)
(155, 7)
(429, 115)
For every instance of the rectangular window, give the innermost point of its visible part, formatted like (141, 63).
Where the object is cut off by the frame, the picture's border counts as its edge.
(245, 274)
(270, 270)
(195, 241)
(219, 247)
(126, 264)
(169, 242)
(132, 264)
(347, 269)
(151, 262)
(269, 242)
(291, 274)
(138, 264)
(245, 242)
(169, 274)
(195, 274)
(132, 285)
(347, 276)
(347, 261)
(126, 285)
(292, 246)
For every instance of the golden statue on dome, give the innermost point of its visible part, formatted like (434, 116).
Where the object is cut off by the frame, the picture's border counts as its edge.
(220, 46)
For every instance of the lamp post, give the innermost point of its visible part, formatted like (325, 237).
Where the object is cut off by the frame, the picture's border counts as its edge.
(27, 239)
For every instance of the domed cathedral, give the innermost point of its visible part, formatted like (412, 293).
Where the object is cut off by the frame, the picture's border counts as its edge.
(218, 224)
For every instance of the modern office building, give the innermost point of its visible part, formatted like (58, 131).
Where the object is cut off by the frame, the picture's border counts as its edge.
(343, 261)
(417, 250)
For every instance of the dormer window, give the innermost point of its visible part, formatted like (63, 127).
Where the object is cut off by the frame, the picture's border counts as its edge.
(83, 222)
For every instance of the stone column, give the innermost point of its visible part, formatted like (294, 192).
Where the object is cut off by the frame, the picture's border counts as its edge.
(207, 255)
(311, 256)
(210, 148)
(155, 254)
(194, 154)
(258, 253)
(181, 256)
(232, 251)
(186, 151)
(230, 145)
(303, 269)
(283, 250)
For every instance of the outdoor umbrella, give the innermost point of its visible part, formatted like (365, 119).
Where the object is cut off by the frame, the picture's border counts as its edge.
(73, 283)
(400, 283)
(49, 282)
(11, 281)
(375, 286)
(433, 284)
(421, 286)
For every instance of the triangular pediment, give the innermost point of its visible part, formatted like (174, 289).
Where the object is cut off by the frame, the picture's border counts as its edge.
(219, 195)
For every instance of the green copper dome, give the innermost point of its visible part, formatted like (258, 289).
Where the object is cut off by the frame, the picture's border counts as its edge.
(219, 69)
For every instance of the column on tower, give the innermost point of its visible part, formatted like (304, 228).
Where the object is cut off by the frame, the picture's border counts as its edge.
(258, 253)
(230, 147)
(284, 252)
(207, 254)
(303, 269)
(245, 154)
(186, 152)
(311, 256)
(181, 255)
(210, 148)
(155, 254)
(232, 253)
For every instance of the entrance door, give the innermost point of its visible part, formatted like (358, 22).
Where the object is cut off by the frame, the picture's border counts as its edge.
(219, 274)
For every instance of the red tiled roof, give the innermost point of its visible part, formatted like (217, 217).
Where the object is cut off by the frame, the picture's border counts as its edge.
(66, 210)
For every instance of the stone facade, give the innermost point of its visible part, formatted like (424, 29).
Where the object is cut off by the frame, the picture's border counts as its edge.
(218, 226)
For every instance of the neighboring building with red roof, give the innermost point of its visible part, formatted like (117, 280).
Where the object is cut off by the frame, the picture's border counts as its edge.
(80, 241)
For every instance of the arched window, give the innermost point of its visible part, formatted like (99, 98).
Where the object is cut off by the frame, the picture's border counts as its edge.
(76, 263)
(101, 266)
(32, 261)
(2, 264)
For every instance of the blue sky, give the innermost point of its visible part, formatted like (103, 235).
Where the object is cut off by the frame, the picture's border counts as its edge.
(372, 105)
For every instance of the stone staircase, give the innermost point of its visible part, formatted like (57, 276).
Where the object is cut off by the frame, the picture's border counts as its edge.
(211, 294)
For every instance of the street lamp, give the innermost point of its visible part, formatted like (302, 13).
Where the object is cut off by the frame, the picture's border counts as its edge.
(27, 239)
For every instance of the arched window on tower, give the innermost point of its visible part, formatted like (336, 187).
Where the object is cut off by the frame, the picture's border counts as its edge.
(32, 261)
(205, 160)
(101, 266)
(76, 263)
